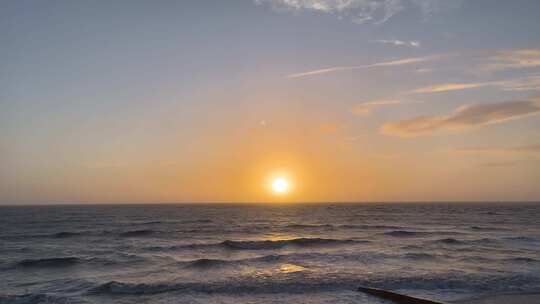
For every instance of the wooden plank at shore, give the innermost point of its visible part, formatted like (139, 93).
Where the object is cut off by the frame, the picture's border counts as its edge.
(395, 297)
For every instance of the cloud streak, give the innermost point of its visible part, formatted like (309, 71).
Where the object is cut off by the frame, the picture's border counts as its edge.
(396, 42)
(391, 63)
(530, 83)
(363, 11)
(528, 149)
(514, 59)
(449, 87)
(365, 108)
(500, 164)
(463, 118)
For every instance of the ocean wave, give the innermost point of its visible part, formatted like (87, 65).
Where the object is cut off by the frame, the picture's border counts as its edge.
(260, 244)
(342, 226)
(56, 235)
(525, 239)
(137, 233)
(58, 262)
(453, 241)
(49, 262)
(404, 233)
(268, 244)
(36, 298)
(367, 227)
(303, 257)
(409, 233)
(205, 263)
(310, 226)
(522, 260)
(208, 263)
(419, 256)
(66, 234)
(487, 228)
(449, 241)
(119, 288)
(158, 248)
(286, 283)
(483, 259)
(459, 282)
(483, 241)
(196, 221)
(170, 221)
(233, 286)
(150, 223)
(478, 259)
(16, 249)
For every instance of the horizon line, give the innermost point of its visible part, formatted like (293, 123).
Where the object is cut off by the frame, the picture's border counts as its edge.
(274, 203)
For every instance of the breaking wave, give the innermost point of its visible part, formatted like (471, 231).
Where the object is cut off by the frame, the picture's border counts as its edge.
(508, 283)
(261, 244)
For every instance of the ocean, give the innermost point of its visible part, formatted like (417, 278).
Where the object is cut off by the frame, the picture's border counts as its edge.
(266, 253)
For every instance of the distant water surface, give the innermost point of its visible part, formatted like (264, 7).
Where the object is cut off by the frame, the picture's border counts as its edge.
(266, 253)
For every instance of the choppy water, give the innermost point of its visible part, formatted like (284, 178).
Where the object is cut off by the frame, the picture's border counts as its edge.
(265, 253)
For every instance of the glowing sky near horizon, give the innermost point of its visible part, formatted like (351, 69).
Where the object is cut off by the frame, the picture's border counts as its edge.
(196, 101)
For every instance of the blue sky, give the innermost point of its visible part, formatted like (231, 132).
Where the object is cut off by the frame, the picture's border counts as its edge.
(358, 100)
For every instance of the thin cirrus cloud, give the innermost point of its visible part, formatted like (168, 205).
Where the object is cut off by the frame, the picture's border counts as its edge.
(364, 11)
(500, 164)
(396, 42)
(398, 62)
(530, 83)
(449, 87)
(513, 59)
(365, 108)
(527, 149)
(463, 118)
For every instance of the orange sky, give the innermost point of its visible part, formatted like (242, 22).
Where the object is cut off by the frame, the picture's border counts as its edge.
(204, 103)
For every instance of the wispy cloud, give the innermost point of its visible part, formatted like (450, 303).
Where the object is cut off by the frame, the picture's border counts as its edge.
(365, 108)
(391, 63)
(529, 83)
(513, 59)
(324, 71)
(396, 42)
(463, 118)
(106, 165)
(404, 61)
(500, 164)
(528, 149)
(449, 87)
(364, 11)
(329, 128)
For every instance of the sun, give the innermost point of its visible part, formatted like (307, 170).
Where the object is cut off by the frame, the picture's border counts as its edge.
(280, 185)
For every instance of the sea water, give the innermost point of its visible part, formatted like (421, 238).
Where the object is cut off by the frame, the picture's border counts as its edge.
(266, 253)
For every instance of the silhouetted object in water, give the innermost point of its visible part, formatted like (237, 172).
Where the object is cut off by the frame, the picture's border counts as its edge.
(395, 297)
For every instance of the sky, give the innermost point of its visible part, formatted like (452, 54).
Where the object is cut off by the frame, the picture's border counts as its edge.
(208, 101)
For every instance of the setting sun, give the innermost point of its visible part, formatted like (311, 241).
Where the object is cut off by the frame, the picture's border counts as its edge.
(265, 151)
(280, 185)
